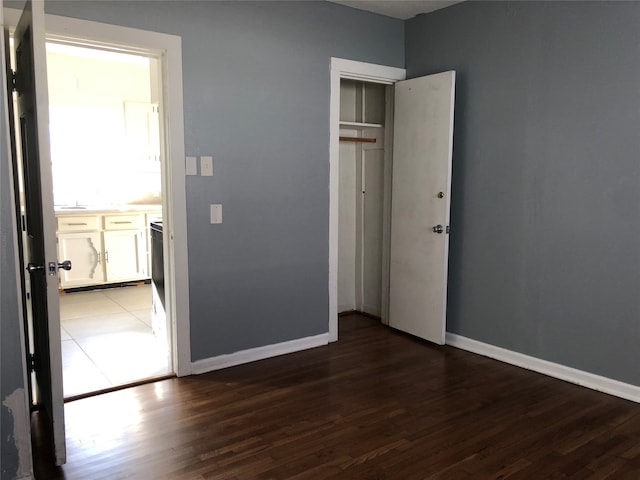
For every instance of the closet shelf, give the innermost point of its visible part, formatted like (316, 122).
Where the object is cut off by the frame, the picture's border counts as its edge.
(360, 125)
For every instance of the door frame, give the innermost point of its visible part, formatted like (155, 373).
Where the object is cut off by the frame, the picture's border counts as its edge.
(22, 416)
(168, 48)
(372, 73)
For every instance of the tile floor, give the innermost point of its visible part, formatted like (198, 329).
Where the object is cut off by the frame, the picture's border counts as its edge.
(107, 339)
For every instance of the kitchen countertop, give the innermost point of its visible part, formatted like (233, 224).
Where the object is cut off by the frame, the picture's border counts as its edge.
(102, 209)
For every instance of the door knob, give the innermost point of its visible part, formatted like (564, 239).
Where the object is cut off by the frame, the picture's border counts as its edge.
(438, 229)
(66, 265)
(52, 267)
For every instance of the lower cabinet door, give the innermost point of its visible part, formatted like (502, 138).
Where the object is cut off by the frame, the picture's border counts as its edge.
(125, 256)
(85, 252)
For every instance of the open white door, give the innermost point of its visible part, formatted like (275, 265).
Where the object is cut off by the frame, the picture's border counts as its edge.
(39, 218)
(420, 200)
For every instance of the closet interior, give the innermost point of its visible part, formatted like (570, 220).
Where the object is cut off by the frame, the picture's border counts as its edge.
(364, 186)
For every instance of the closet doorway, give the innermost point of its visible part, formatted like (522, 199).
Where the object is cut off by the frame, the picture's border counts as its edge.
(364, 130)
(390, 194)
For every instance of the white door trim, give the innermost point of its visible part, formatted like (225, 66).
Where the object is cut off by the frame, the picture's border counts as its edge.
(169, 49)
(369, 72)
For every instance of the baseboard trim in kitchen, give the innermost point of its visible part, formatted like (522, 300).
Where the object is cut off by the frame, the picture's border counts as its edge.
(258, 353)
(556, 370)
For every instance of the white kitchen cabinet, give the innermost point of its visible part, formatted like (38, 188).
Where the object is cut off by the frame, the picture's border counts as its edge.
(125, 255)
(103, 248)
(85, 251)
(78, 223)
(124, 221)
(142, 131)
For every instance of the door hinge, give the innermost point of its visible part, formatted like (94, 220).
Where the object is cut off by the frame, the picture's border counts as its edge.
(448, 228)
(14, 81)
(31, 360)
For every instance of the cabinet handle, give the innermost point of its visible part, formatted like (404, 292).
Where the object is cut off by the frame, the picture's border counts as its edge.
(120, 223)
(75, 224)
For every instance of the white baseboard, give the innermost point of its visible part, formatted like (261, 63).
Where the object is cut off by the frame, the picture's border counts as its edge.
(346, 308)
(259, 353)
(562, 372)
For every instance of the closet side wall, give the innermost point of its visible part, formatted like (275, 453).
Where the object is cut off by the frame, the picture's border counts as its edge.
(372, 203)
(350, 105)
(347, 228)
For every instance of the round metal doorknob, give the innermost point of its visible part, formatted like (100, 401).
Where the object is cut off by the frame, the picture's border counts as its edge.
(438, 229)
(66, 265)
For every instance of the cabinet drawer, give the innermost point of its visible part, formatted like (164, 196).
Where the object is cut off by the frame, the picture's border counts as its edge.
(75, 223)
(123, 222)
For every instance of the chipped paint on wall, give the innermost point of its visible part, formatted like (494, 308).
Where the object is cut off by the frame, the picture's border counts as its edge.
(17, 405)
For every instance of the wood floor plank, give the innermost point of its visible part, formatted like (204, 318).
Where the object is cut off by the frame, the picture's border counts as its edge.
(378, 404)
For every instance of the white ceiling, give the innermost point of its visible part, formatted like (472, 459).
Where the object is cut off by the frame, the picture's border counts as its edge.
(402, 9)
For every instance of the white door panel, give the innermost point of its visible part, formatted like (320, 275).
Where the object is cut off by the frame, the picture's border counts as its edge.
(422, 150)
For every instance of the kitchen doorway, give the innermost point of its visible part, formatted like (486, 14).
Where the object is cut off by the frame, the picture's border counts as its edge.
(174, 273)
(107, 184)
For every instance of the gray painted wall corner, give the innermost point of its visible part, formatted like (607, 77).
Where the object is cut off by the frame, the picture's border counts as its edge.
(544, 256)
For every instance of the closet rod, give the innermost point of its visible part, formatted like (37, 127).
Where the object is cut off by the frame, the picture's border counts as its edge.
(358, 139)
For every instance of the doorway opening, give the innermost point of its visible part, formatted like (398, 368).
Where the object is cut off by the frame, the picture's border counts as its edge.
(39, 292)
(361, 121)
(106, 160)
(364, 164)
(106, 140)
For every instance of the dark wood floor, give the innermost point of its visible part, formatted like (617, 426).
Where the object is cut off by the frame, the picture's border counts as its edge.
(376, 405)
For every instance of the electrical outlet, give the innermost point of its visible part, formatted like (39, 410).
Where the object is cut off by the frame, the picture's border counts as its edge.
(216, 213)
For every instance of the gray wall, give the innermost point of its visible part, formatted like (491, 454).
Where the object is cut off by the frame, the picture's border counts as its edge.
(545, 257)
(256, 97)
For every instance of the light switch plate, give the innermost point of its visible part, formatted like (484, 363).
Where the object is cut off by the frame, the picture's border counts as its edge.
(206, 166)
(216, 213)
(191, 166)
